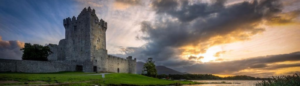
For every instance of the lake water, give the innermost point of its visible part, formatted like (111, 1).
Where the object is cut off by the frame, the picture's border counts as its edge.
(234, 82)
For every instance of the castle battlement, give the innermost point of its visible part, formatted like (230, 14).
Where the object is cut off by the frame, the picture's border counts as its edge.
(129, 58)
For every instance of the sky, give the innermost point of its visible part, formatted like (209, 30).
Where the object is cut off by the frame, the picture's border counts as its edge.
(224, 37)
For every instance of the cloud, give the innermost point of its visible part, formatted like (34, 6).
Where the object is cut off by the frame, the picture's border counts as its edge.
(185, 12)
(290, 73)
(284, 18)
(92, 3)
(198, 26)
(252, 63)
(259, 65)
(11, 49)
(124, 4)
(219, 53)
(196, 58)
(95, 4)
(280, 66)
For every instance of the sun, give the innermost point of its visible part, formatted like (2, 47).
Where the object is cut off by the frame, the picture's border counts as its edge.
(207, 57)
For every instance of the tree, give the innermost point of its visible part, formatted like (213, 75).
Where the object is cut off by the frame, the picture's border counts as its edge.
(149, 68)
(35, 52)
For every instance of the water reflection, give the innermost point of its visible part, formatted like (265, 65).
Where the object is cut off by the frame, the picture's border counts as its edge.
(234, 82)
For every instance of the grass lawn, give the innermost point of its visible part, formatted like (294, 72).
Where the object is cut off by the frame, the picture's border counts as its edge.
(79, 78)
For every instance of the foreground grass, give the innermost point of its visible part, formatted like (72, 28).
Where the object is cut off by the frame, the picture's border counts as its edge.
(290, 80)
(78, 78)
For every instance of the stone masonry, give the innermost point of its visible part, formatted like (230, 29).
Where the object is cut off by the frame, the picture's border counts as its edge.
(84, 47)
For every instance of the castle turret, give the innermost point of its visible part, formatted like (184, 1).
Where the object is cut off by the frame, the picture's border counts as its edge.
(131, 65)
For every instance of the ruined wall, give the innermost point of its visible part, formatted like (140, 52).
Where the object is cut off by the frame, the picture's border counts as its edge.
(28, 66)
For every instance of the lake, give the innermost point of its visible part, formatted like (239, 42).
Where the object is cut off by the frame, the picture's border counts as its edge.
(234, 82)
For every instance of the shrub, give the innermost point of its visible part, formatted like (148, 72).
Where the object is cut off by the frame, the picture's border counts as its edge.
(289, 80)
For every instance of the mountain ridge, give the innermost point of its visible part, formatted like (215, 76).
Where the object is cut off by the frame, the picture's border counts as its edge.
(159, 69)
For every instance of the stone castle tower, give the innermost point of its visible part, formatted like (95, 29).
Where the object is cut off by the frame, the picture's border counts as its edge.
(85, 44)
(83, 49)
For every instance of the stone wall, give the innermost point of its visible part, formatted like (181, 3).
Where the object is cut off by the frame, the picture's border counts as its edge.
(117, 64)
(132, 65)
(53, 56)
(97, 39)
(28, 66)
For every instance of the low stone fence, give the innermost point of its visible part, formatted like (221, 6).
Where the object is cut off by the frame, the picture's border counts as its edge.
(28, 66)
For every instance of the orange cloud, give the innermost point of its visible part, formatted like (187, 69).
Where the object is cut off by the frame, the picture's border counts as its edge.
(284, 18)
(124, 4)
(240, 34)
(11, 49)
(219, 53)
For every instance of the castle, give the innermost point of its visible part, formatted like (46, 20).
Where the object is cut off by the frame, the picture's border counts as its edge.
(83, 49)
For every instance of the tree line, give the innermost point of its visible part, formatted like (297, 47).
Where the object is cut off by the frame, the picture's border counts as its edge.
(206, 77)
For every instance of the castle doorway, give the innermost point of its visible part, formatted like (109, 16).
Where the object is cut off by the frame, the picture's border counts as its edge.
(95, 68)
(79, 68)
(118, 70)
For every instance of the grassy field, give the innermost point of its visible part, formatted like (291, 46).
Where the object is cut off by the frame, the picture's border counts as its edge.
(79, 78)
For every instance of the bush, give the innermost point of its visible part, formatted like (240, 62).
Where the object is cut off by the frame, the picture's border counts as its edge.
(290, 80)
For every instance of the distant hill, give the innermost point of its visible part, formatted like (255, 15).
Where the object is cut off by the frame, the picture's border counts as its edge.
(160, 69)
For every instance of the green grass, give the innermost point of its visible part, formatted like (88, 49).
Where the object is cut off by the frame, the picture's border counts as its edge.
(79, 78)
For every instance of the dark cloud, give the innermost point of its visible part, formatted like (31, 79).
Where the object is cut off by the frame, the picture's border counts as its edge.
(11, 49)
(282, 66)
(200, 25)
(257, 74)
(259, 65)
(196, 58)
(294, 72)
(237, 65)
(185, 12)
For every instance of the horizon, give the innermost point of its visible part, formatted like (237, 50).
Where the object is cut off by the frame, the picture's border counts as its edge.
(224, 38)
